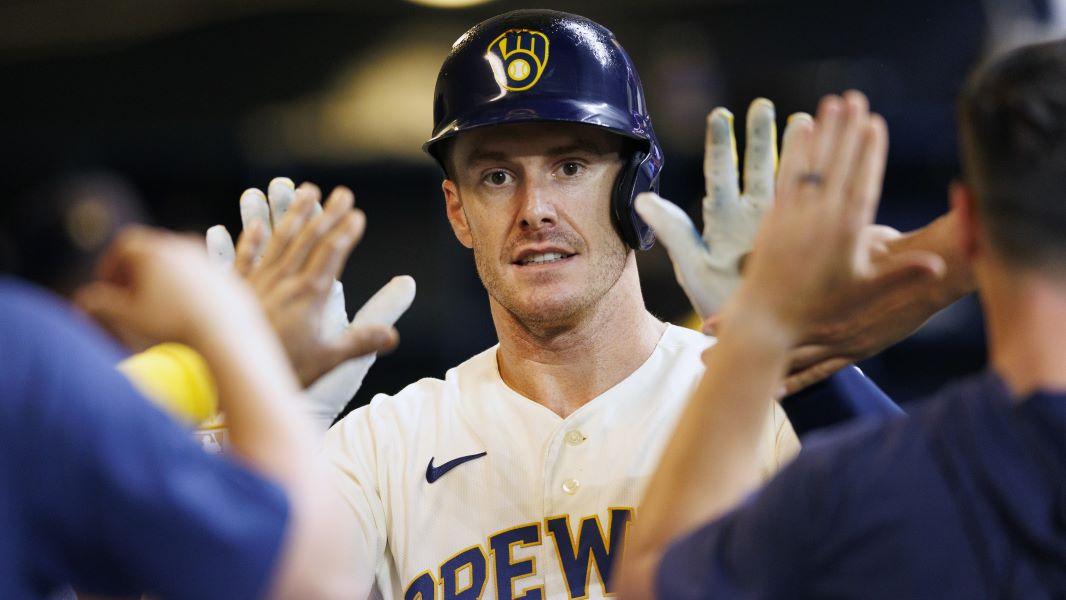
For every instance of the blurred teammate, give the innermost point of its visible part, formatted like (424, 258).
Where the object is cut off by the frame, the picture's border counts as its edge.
(101, 490)
(59, 228)
(967, 499)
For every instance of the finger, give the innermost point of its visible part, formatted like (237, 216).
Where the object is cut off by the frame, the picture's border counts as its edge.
(711, 324)
(312, 189)
(313, 192)
(845, 158)
(280, 194)
(388, 304)
(812, 375)
(878, 239)
(339, 204)
(105, 302)
(327, 259)
(254, 210)
(112, 312)
(335, 313)
(250, 244)
(120, 261)
(742, 262)
(285, 232)
(220, 246)
(684, 245)
(795, 155)
(867, 180)
(760, 153)
(720, 161)
(825, 132)
(907, 268)
(361, 341)
(803, 357)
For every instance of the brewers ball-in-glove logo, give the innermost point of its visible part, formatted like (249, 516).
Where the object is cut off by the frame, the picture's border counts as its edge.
(523, 56)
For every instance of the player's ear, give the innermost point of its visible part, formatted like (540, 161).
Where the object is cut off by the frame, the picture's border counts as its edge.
(453, 204)
(968, 231)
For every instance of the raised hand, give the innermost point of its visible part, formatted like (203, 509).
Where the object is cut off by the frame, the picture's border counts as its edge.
(809, 265)
(142, 286)
(291, 251)
(891, 315)
(708, 266)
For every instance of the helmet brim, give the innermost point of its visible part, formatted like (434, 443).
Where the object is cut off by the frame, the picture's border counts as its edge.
(550, 110)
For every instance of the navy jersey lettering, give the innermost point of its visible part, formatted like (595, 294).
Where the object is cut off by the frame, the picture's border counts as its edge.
(591, 548)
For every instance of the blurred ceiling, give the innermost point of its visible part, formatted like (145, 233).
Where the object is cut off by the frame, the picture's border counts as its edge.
(209, 84)
(44, 27)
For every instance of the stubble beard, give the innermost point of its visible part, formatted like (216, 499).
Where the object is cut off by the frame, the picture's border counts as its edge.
(605, 269)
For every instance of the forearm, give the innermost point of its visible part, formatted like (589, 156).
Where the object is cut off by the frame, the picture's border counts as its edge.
(259, 394)
(324, 554)
(258, 391)
(713, 458)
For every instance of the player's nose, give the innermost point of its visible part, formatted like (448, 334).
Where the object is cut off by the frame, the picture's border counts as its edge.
(536, 209)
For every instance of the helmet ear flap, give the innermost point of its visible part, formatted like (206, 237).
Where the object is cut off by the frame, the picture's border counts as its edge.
(638, 175)
(631, 228)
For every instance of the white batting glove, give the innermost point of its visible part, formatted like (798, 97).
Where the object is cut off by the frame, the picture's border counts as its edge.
(708, 266)
(329, 394)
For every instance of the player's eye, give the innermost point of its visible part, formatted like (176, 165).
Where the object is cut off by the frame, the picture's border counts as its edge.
(571, 168)
(497, 178)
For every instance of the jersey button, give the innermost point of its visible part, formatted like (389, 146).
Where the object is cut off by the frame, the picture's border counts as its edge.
(574, 437)
(570, 486)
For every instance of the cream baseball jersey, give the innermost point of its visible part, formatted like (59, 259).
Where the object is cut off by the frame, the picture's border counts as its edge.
(463, 488)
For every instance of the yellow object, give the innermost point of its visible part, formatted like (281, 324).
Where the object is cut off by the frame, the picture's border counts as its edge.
(692, 321)
(525, 54)
(177, 378)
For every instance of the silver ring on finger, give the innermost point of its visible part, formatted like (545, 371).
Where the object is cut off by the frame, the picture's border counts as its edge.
(811, 178)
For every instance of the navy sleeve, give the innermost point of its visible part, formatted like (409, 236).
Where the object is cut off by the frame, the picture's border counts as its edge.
(770, 546)
(845, 395)
(833, 523)
(116, 497)
(755, 551)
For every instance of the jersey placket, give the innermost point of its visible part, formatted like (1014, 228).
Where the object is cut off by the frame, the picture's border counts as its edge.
(563, 494)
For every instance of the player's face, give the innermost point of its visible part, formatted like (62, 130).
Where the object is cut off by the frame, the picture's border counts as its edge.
(533, 202)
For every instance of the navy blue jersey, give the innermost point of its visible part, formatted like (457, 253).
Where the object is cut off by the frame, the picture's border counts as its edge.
(965, 499)
(100, 489)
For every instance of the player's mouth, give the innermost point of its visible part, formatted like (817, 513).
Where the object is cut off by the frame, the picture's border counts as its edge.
(537, 258)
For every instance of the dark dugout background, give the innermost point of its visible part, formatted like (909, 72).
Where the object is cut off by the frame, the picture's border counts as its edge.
(185, 104)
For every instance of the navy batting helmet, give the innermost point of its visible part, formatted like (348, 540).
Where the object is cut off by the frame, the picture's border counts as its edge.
(545, 65)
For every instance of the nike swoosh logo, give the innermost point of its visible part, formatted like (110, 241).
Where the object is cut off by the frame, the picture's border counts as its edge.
(435, 473)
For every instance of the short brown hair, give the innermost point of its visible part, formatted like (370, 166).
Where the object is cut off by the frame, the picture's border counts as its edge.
(1012, 122)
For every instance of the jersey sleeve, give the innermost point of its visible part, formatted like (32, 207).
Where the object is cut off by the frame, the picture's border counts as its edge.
(351, 451)
(115, 496)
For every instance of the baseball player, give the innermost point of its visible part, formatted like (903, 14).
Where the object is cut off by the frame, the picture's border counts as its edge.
(518, 473)
(516, 476)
